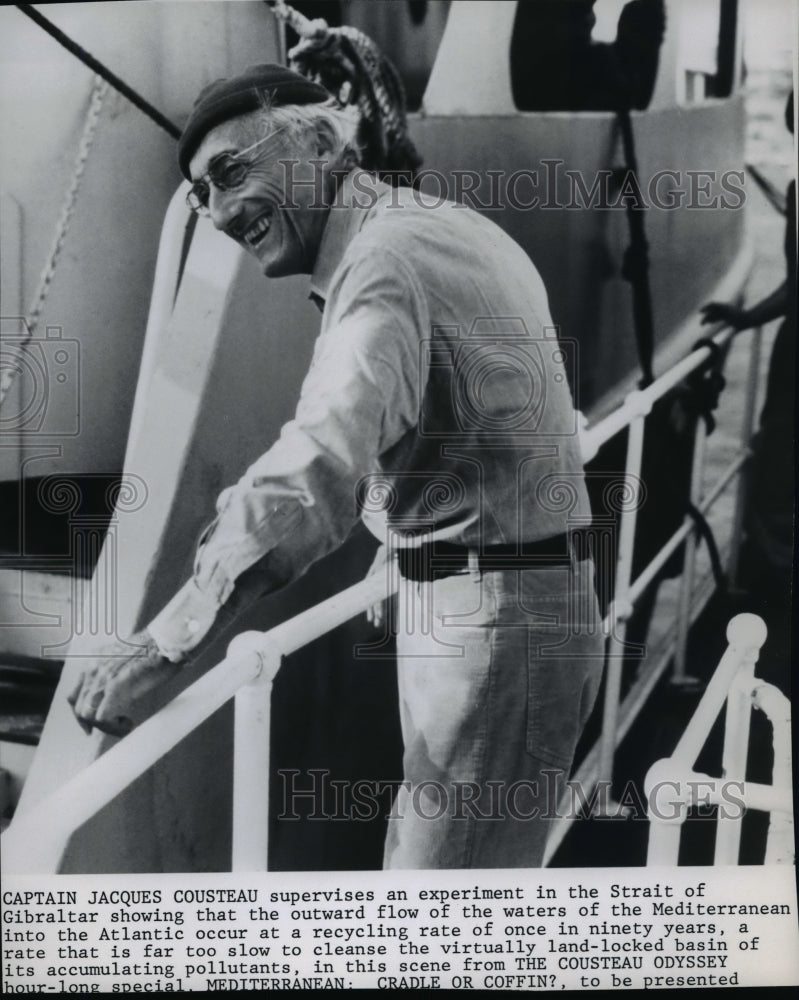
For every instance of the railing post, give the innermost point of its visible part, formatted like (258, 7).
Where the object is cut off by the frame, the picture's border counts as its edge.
(35, 840)
(747, 429)
(667, 810)
(746, 635)
(664, 837)
(737, 722)
(620, 609)
(679, 674)
(780, 847)
(251, 735)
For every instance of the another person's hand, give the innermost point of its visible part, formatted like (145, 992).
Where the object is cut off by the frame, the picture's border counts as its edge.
(724, 312)
(114, 679)
(375, 614)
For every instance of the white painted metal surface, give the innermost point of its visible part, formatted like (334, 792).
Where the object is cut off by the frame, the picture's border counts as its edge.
(36, 839)
(84, 794)
(673, 786)
(471, 74)
(251, 735)
(162, 301)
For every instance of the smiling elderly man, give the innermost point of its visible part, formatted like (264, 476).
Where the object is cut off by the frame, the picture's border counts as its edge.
(437, 408)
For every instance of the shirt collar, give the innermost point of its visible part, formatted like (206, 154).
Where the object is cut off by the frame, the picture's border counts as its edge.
(345, 219)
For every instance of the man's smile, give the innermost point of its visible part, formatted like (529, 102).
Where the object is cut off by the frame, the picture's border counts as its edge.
(255, 233)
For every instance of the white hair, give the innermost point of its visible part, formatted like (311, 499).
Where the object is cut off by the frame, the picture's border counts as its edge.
(334, 126)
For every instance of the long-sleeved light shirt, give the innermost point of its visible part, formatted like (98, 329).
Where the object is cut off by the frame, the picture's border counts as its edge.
(437, 405)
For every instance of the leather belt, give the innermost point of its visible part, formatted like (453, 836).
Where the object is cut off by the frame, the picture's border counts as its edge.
(435, 560)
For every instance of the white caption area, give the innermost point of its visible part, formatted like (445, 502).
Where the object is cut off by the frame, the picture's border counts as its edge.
(526, 930)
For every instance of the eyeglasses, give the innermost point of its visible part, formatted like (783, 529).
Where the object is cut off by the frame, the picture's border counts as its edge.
(226, 172)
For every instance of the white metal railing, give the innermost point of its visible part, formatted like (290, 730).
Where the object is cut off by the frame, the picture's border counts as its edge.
(618, 715)
(673, 787)
(627, 591)
(36, 838)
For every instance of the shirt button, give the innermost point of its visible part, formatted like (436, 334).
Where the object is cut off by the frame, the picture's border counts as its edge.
(192, 625)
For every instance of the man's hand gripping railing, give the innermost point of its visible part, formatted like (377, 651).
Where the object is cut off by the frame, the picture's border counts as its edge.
(36, 838)
(119, 675)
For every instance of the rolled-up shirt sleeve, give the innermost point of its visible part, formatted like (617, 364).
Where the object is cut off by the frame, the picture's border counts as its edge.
(298, 501)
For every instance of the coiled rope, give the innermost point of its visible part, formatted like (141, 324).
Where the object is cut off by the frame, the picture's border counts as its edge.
(356, 73)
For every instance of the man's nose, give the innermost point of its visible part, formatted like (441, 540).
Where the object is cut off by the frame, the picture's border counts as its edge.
(224, 208)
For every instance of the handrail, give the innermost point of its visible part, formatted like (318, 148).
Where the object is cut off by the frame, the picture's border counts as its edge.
(672, 785)
(36, 838)
(639, 402)
(745, 635)
(777, 708)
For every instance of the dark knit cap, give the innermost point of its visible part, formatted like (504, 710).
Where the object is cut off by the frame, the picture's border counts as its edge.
(252, 89)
